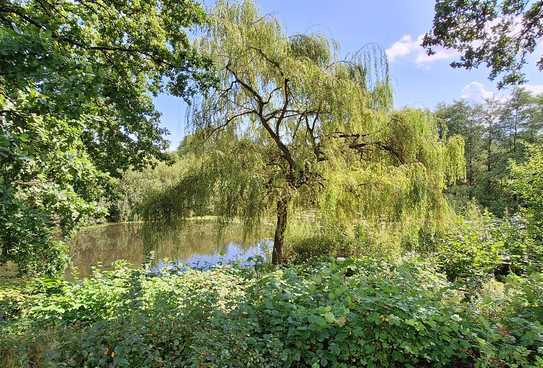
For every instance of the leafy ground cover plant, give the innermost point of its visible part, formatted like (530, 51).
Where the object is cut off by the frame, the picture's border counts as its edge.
(339, 314)
(514, 310)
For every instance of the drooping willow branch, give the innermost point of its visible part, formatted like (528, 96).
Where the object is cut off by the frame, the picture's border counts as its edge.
(272, 121)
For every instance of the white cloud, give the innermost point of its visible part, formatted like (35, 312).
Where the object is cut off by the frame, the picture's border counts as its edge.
(403, 47)
(476, 92)
(408, 46)
(536, 89)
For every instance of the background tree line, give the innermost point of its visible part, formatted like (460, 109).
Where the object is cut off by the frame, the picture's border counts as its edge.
(497, 133)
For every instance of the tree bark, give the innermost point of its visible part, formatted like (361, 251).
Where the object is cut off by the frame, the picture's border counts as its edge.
(281, 226)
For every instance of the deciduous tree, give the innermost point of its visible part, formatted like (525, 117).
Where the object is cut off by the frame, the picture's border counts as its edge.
(500, 34)
(291, 124)
(76, 109)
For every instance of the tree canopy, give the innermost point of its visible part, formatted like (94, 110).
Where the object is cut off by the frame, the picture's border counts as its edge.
(496, 133)
(76, 109)
(500, 34)
(526, 183)
(292, 124)
(99, 63)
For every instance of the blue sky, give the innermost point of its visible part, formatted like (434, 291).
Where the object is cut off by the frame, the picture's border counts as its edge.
(396, 25)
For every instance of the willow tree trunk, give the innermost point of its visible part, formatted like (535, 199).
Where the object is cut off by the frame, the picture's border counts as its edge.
(280, 228)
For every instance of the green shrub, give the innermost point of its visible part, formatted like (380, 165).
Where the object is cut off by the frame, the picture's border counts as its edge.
(27, 238)
(339, 314)
(331, 240)
(316, 246)
(12, 297)
(311, 239)
(470, 250)
(120, 317)
(478, 247)
(523, 253)
(361, 313)
(514, 312)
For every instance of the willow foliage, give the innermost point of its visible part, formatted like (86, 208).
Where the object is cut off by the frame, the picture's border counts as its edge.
(291, 124)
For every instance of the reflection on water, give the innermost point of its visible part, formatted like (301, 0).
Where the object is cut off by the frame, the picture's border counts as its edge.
(197, 244)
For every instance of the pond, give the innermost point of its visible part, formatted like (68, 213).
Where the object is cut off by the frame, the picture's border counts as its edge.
(197, 244)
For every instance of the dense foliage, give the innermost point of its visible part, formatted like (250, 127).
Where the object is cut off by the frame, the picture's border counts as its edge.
(478, 247)
(291, 124)
(76, 109)
(138, 187)
(500, 34)
(371, 265)
(526, 184)
(495, 132)
(473, 248)
(353, 313)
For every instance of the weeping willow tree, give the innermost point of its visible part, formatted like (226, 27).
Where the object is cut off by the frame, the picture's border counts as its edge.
(291, 124)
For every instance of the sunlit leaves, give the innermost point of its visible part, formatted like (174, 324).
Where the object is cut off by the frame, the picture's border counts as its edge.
(76, 106)
(313, 127)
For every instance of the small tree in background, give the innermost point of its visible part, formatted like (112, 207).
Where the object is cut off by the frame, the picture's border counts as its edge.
(526, 183)
(293, 125)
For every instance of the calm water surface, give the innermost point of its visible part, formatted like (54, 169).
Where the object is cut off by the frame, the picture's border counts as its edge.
(197, 244)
